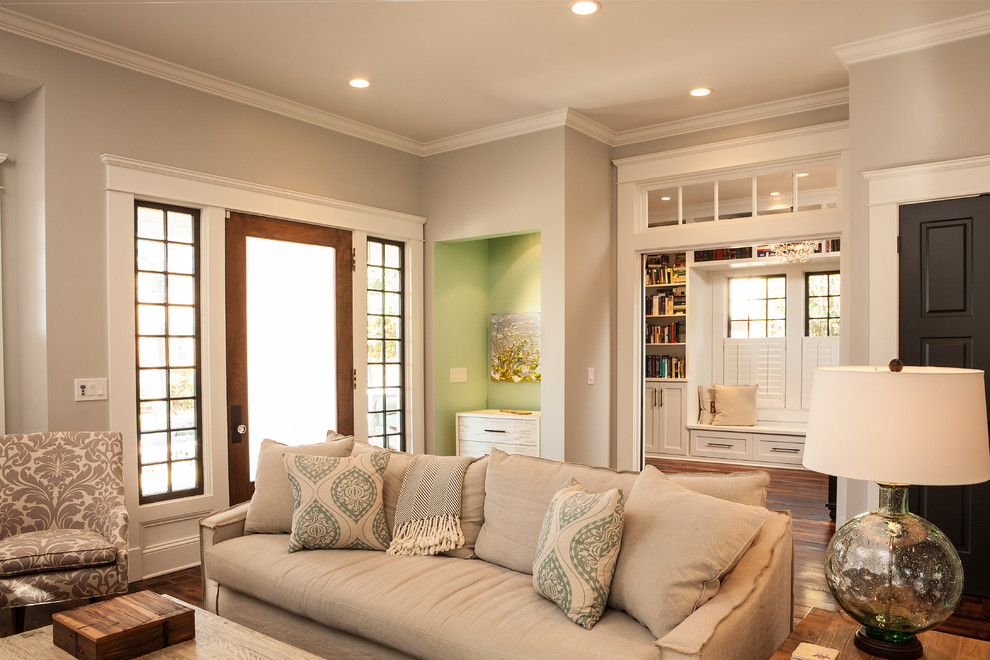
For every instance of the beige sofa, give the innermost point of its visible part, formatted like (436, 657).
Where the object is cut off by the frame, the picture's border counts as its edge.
(479, 601)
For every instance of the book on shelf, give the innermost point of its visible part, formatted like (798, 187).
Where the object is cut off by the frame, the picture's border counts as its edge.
(666, 303)
(723, 254)
(668, 333)
(662, 269)
(665, 366)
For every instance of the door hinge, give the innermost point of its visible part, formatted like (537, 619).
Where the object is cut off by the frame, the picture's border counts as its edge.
(353, 260)
(898, 245)
(354, 378)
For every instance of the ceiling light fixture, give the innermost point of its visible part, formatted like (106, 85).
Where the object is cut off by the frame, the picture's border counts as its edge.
(665, 199)
(700, 91)
(360, 83)
(585, 7)
(774, 193)
(801, 174)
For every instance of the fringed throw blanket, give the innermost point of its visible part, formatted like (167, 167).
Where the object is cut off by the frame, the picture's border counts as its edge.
(428, 513)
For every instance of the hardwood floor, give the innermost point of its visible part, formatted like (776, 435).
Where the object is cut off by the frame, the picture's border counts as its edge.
(801, 492)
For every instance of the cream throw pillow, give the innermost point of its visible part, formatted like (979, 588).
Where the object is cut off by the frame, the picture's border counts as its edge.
(270, 509)
(338, 502)
(676, 547)
(747, 487)
(706, 404)
(735, 405)
(577, 549)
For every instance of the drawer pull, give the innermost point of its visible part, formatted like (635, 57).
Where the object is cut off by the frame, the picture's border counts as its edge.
(495, 431)
(719, 445)
(785, 450)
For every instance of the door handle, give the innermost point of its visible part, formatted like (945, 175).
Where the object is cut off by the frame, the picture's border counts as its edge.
(237, 428)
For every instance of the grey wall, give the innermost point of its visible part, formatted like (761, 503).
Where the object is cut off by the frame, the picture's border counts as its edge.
(919, 107)
(88, 108)
(590, 279)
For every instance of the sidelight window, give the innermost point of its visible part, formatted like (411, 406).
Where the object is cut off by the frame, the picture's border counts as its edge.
(386, 347)
(170, 446)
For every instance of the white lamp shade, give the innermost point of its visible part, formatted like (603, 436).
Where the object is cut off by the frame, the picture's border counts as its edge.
(923, 426)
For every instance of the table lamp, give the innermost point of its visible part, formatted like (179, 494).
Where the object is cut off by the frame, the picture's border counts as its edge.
(890, 570)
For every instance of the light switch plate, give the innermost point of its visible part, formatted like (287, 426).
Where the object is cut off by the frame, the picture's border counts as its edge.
(458, 374)
(91, 389)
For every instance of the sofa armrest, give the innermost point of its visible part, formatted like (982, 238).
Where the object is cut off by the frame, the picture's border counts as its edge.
(752, 613)
(221, 525)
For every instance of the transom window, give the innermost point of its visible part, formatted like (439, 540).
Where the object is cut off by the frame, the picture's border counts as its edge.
(757, 306)
(822, 304)
(386, 366)
(170, 443)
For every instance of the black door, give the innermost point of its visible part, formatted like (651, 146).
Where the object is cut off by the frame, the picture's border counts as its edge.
(945, 322)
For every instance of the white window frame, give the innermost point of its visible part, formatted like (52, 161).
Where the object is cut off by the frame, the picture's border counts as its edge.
(164, 535)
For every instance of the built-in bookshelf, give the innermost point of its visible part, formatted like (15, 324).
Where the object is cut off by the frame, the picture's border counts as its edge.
(665, 315)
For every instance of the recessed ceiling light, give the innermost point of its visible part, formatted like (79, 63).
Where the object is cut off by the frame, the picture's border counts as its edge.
(665, 199)
(774, 193)
(701, 91)
(585, 7)
(804, 174)
(360, 83)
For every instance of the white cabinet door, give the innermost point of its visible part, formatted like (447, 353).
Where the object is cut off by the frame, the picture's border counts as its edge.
(663, 410)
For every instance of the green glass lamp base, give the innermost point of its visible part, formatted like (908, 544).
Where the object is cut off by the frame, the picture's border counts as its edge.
(880, 644)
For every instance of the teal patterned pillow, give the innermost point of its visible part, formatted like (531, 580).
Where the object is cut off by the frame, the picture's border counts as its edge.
(338, 501)
(577, 550)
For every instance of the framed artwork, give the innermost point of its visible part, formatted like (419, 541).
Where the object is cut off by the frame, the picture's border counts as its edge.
(515, 347)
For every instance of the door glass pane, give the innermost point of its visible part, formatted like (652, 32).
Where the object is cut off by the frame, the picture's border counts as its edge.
(698, 202)
(773, 192)
(661, 207)
(735, 198)
(291, 343)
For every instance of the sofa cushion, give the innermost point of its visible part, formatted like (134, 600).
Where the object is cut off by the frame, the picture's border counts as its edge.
(54, 550)
(518, 490)
(270, 510)
(338, 501)
(576, 553)
(676, 546)
(746, 487)
(428, 607)
(472, 495)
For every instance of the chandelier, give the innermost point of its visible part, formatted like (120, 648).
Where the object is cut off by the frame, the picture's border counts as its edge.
(795, 253)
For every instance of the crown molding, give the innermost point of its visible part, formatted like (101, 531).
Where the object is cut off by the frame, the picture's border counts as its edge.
(919, 38)
(54, 35)
(123, 162)
(769, 110)
(59, 37)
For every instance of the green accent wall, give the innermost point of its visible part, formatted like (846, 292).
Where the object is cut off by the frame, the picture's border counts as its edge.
(472, 280)
(513, 286)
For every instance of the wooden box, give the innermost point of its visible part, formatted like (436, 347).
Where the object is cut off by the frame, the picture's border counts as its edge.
(123, 627)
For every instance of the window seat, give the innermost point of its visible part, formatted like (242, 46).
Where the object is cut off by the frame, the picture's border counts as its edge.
(777, 444)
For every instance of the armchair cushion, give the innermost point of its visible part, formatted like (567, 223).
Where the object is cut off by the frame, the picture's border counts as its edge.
(53, 550)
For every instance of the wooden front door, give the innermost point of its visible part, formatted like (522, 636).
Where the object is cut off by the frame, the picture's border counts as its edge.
(945, 322)
(289, 338)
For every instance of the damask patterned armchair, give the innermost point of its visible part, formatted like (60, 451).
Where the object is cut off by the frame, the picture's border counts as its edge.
(63, 524)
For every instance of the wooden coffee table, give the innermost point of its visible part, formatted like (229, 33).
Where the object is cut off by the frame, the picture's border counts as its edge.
(835, 630)
(216, 638)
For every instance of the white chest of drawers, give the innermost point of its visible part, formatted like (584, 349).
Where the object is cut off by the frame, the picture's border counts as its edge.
(478, 431)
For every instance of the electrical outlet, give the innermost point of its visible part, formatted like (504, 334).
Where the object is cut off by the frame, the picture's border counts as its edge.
(91, 389)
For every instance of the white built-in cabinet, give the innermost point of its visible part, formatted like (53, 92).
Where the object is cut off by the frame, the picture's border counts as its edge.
(664, 416)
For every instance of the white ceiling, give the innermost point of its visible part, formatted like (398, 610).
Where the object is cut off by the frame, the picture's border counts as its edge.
(447, 67)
